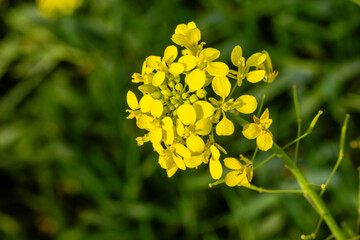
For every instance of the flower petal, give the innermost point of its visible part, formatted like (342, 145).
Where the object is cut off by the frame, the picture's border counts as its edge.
(132, 100)
(158, 78)
(246, 104)
(176, 69)
(215, 168)
(256, 59)
(221, 86)
(255, 76)
(196, 79)
(217, 69)
(215, 152)
(195, 144)
(182, 150)
(203, 109)
(232, 163)
(236, 55)
(186, 114)
(203, 126)
(233, 178)
(170, 54)
(265, 140)
(210, 54)
(157, 108)
(189, 62)
(251, 130)
(179, 162)
(193, 161)
(145, 103)
(225, 127)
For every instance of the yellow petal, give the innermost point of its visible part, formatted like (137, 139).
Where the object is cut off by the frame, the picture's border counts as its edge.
(181, 29)
(167, 123)
(215, 168)
(203, 109)
(157, 108)
(203, 126)
(225, 127)
(232, 163)
(264, 141)
(156, 135)
(196, 79)
(193, 161)
(179, 162)
(251, 130)
(217, 69)
(191, 25)
(176, 69)
(153, 62)
(233, 178)
(169, 136)
(215, 153)
(170, 54)
(132, 100)
(255, 76)
(246, 104)
(265, 115)
(182, 150)
(221, 86)
(256, 59)
(195, 144)
(180, 39)
(236, 178)
(171, 170)
(189, 62)
(236, 55)
(145, 122)
(145, 103)
(186, 114)
(180, 128)
(194, 36)
(158, 78)
(210, 54)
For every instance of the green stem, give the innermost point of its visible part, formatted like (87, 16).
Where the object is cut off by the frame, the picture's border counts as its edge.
(263, 99)
(298, 119)
(309, 192)
(260, 189)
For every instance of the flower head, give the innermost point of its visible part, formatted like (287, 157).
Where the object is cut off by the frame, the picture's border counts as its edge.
(260, 131)
(174, 109)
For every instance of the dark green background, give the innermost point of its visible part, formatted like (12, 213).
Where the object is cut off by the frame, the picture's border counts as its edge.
(70, 168)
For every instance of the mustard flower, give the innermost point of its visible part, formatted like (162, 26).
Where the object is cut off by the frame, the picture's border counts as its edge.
(260, 131)
(242, 174)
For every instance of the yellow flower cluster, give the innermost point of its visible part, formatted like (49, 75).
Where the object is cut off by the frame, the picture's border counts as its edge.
(51, 8)
(180, 118)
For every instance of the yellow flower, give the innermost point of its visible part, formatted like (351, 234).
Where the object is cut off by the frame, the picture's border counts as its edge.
(254, 60)
(51, 8)
(186, 35)
(260, 131)
(242, 174)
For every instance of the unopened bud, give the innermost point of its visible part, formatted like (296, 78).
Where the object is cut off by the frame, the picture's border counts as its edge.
(193, 98)
(201, 93)
(314, 121)
(179, 87)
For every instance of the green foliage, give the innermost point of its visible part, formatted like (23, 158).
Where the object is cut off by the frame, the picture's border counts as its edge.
(70, 168)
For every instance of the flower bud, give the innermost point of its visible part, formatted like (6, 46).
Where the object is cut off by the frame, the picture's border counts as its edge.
(201, 93)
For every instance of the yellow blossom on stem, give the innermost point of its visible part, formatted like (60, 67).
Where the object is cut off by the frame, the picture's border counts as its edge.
(260, 131)
(242, 174)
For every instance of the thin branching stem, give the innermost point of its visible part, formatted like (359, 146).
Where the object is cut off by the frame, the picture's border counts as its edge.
(298, 120)
(309, 192)
(263, 99)
(260, 190)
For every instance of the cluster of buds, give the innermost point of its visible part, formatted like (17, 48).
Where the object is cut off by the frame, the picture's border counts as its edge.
(52, 8)
(180, 118)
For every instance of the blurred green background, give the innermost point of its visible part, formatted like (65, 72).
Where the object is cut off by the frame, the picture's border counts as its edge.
(70, 168)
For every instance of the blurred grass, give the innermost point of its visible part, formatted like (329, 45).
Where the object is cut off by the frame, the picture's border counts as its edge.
(70, 168)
